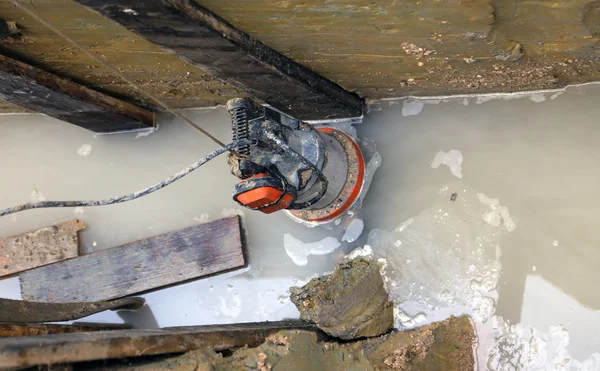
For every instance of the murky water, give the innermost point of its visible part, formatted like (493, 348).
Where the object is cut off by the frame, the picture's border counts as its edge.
(516, 247)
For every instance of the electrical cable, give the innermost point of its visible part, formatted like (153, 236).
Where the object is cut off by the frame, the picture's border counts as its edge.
(131, 196)
(119, 74)
(47, 204)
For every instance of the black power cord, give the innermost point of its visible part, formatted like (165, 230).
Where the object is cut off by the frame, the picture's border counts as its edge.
(131, 196)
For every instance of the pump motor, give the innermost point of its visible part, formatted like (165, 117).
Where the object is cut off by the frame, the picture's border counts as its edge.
(314, 173)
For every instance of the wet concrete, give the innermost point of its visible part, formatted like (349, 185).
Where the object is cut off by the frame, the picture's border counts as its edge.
(532, 285)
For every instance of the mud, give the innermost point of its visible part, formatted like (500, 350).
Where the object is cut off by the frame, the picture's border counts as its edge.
(349, 304)
(446, 345)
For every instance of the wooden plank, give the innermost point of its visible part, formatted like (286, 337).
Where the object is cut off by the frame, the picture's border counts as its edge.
(7, 329)
(178, 83)
(371, 48)
(207, 41)
(76, 347)
(65, 100)
(139, 266)
(21, 311)
(41, 247)
(358, 45)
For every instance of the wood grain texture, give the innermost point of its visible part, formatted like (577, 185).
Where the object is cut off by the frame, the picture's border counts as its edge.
(367, 47)
(139, 266)
(21, 311)
(372, 47)
(44, 246)
(207, 41)
(76, 347)
(46, 93)
(159, 72)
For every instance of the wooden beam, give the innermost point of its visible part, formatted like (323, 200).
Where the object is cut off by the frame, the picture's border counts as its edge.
(209, 42)
(44, 246)
(21, 311)
(148, 264)
(65, 100)
(8, 329)
(77, 347)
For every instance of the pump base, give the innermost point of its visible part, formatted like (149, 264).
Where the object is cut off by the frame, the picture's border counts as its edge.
(350, 191)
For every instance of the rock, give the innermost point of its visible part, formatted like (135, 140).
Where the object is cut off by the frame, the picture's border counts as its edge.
(446, 345)
(349, 304)
(512, 54)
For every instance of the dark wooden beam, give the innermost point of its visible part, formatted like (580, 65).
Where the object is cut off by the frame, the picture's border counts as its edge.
(46, 93)
(207, 41)
(140, 266)
(21, 311)
(89, 346)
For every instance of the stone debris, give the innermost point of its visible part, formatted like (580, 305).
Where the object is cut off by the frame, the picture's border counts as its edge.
(349, 304)
(512, 54)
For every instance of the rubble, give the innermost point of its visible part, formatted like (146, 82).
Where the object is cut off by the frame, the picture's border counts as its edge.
(349, 304)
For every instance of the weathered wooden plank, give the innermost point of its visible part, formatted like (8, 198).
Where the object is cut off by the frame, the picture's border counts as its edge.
(207, 41)
(159, 72)
(139, 266)
(75, 347)
(7, 329)
(41, 247)
(370, 48)
(44, 92)
(21, 311)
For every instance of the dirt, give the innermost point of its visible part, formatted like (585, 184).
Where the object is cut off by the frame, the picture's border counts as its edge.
(349, 304)
(446, 345)
(489, 76)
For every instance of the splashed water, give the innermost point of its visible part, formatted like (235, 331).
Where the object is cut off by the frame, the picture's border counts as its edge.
(412, 107)
(521, 347)
(453, 159)
(84, 150)
(299, 251)
(446, 257)
(354, 230)
(516, 151)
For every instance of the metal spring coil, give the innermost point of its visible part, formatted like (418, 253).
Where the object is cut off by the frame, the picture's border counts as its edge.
(239, 122)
